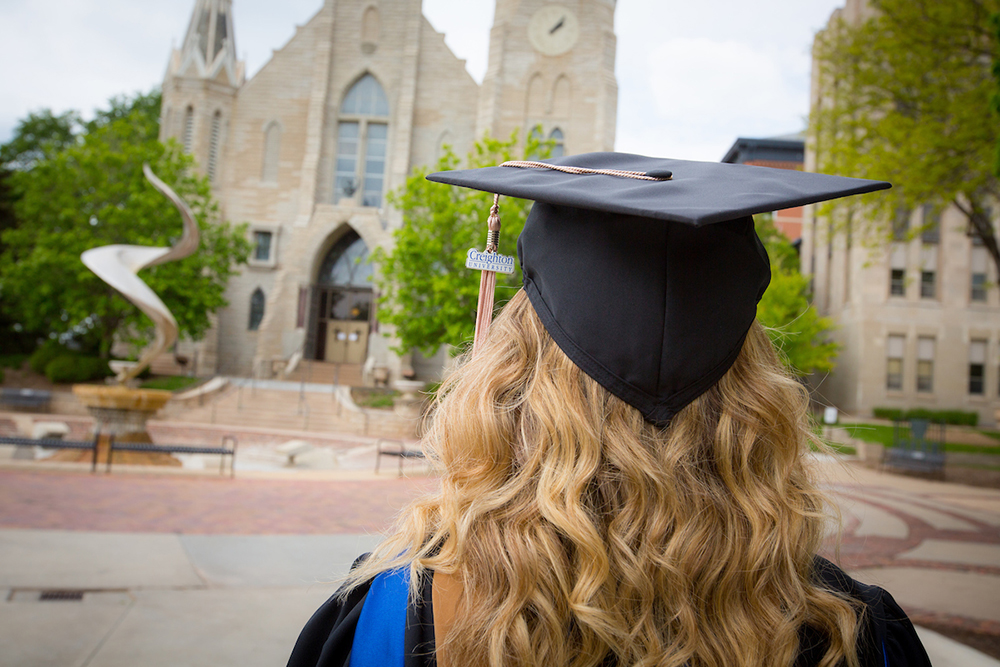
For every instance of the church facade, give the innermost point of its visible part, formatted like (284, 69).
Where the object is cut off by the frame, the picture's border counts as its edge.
(307, 149)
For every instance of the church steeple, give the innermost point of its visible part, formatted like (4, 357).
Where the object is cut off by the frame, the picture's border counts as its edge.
(209, 49)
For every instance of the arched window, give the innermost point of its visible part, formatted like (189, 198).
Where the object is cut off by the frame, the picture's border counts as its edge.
(187, 135)
(346, 264)
(558, 143)
(256, 309)
(272, 149)
(535, 135)
(362, 138)
(214, 145)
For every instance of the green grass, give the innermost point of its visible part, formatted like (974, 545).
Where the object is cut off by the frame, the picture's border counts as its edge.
(883, 435)
(374, 398)
(837, 447)
(170, 382)
(992, 434)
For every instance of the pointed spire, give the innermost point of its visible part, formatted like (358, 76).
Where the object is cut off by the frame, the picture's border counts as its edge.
(209, 49)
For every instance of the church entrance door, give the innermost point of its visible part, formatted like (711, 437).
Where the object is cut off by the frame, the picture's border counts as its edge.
(344, 298)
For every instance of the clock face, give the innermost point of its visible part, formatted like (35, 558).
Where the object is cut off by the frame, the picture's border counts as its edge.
(553, 30)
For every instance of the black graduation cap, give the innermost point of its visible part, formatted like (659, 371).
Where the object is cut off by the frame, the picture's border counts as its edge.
(646, 272)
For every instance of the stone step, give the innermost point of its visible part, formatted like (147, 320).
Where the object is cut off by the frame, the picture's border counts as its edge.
(317, 412)
(323, 372)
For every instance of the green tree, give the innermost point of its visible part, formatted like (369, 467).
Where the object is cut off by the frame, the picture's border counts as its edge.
(39, 136)
(995, 23)
(42, 134)
(905, 96)
(426, 291)
(93, 193)
(142, 108)
(794, 325)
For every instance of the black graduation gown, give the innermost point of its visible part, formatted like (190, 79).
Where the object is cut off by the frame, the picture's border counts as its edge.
(326, 639)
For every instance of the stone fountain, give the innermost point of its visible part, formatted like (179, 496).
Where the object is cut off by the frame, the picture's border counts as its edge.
(119, 409)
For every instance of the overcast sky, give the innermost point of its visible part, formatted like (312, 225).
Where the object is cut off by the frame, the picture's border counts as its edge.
(692, 76)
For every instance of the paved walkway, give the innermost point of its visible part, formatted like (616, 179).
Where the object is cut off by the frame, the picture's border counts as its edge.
(186, 569)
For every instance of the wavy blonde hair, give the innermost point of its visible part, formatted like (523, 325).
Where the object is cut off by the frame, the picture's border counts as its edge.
(580, 532)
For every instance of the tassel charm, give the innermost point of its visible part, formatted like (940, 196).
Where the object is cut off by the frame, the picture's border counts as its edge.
(489, 262)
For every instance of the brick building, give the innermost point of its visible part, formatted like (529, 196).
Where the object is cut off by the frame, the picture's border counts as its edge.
(781, 152)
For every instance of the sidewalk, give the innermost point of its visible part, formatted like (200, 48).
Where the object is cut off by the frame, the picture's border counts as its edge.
(198, 570)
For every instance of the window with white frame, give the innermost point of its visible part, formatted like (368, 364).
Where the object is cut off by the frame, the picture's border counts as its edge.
(897, 270)
(362, 142)
(262, 246)
(977, 367)
(977, 266)
(895, 347)
(931, 232)
(558, 142)
(925, 364)
(265, 246)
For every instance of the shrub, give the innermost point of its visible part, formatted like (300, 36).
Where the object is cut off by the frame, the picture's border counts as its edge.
(959, 417)
(954, 417)
(893, 414)
(74, 368)
(12, 360)
(45, 354)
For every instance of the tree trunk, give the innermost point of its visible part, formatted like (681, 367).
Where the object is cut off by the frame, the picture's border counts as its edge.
(981, 226)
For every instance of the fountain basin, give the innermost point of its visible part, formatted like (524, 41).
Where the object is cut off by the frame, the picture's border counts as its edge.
(122, 412)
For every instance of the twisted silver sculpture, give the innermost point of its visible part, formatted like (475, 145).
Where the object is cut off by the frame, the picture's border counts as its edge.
(118, 264)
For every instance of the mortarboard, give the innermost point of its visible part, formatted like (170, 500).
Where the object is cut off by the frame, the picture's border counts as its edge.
(646, 272)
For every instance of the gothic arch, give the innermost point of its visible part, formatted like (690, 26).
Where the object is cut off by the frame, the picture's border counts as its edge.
(271, 152)
(362, 143)
(562, 96)
(187, 131)
(365, 96)
(371, 26)
(346, 262)
(535, 104)
(342, 299)
(214, 146)
(257, 303)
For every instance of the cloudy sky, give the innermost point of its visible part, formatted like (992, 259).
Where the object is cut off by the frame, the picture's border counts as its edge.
(692, 76)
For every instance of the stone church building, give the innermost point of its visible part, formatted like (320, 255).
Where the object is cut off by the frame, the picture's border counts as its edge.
(307, 149)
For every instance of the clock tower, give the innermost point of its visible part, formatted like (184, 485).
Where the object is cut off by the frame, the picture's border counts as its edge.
(552, 64)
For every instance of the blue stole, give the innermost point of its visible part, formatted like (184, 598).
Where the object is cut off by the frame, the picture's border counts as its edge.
(381, 631)
(380, 636)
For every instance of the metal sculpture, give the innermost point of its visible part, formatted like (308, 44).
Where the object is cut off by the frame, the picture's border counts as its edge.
(118, 264)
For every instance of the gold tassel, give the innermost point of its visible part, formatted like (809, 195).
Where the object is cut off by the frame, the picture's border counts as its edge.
(488, 280)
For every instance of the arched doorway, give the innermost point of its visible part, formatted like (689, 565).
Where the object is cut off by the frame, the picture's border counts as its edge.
(343, 300)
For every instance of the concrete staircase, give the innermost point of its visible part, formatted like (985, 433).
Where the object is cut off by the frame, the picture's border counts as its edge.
(294, 406)
(325, 372)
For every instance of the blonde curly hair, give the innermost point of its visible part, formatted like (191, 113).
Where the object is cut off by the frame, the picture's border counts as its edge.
(580, 532)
